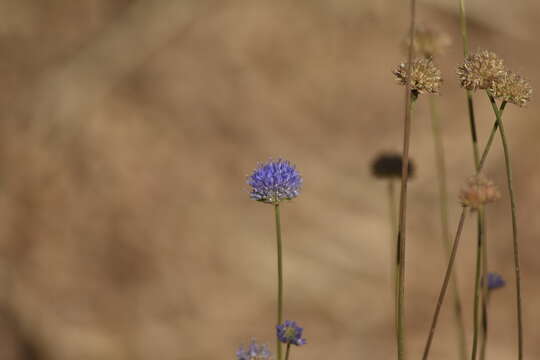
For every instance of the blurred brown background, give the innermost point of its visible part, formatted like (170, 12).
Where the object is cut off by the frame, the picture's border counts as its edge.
(127, 129)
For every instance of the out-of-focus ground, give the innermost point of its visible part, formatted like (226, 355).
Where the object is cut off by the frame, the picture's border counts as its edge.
(127, 129)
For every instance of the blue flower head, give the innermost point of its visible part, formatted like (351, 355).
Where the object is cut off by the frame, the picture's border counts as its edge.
(275, 181)
(290, 333)
(495, 281)
(254, 352)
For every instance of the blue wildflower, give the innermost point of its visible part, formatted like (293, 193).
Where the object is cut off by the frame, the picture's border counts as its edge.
(495, 281)
(290, 333)
(275, 181)
(254, 352)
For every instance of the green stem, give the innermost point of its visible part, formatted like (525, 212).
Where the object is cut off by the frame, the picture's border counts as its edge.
(484, 314)
(463, 23)
(401, 238)
(445, 284)
(392, 208)
(477, 283)
(287, 351)
(280, 276)
(443, 209)
(508, 163)
(393, 251)
(491, 137)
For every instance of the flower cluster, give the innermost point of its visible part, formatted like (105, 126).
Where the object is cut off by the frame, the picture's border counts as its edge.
(484, 70)
(290, 333)
(478, 191)
(389, 166)
(425, 76)
(495, 281)
(253, 352)
(275, 181)
(512, 88)
(480, 70)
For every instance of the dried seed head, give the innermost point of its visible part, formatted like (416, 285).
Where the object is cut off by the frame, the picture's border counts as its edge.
(512, 88)
(429, 42)
(480, 70)
(478, 191)
(425, 76)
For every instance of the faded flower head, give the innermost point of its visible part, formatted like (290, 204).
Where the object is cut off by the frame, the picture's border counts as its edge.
(495, 281)
(389, 166)
(512, 88)
(425, 76)
(429, 42)
(480, 70)
(254, 352)
(290, 333)
(275, 181)
(478, 191)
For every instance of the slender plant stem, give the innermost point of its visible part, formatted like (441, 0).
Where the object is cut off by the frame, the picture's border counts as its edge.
(484, 329)
(491, 137)
(445, 283)
(463, 23)
(392, 206)
(443, 209)
(508, 163)
(393, 227)
(280, 276)
(477, 281)
(474, 138)
(287, 351)
(401, 238)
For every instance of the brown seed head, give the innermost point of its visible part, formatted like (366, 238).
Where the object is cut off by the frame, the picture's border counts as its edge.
(512, 88)
(480, 69)
(478, 191)
(429, 42)
(425, 76)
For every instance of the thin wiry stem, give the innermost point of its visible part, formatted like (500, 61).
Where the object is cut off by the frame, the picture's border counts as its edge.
(463, 23)
(393, 229)
(392, 215)
(508, 165)
(484, 315)
(287, 351)
(478, 277)
(280, 276)
(491, 137)
(474, 137)
(443, 209)
(400, 256)
(445, 283)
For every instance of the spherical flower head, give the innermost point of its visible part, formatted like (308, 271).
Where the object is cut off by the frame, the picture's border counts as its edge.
(495, 281)
(512, 88)
(478, 191)
(275, 181)
(480, 70)
(254, 352)
(425, 76)
(389, 166)
(429, 42)
(290, 333)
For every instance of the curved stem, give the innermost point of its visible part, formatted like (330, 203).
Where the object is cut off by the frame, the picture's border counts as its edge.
(445, 284)
(443, 209)
(508, 163)
(477, 283)
(280, 276)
